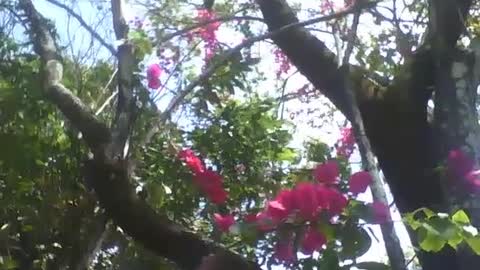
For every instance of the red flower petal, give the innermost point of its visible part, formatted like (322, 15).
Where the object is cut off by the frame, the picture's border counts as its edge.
(359, 182)
(327, 172)
(313, 240)
(224, 222)
(459, 163)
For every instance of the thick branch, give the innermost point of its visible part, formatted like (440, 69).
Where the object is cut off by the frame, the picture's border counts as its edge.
(151, 229)
(124, 117)
(96, 134)
(310, 55)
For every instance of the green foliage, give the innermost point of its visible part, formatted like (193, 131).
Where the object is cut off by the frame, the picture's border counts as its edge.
(436, 230)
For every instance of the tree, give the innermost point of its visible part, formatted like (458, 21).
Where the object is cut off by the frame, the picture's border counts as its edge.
(412, 142)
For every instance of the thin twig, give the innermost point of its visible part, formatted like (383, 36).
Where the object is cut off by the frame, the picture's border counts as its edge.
(206, 22)
(85, 25)
(352, 37)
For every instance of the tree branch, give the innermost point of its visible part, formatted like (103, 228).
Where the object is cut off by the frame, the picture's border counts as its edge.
(87, 27)
(310, 55)
(124, 117)
(392, 243)
(96, 134)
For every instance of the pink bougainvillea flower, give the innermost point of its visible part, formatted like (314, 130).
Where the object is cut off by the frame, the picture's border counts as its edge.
(217, 195)
(459, 163)
(250, 218)
(381, 212)
(285, 197)
(336, 201)
(153, 76)
(192, 161)
(224, 222)
(284, 251)
(346, 144)
(265, 222)
(208, 179)
(473, 179)
(327, 172)
(154, 83)
(313, 240)
(306, 200)
(211, 183)
(359, 182)
(282, 60)
(208, 32)
(277, 210)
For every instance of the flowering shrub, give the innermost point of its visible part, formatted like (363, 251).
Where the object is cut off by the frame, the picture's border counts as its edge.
(308, 204)
(208, 32)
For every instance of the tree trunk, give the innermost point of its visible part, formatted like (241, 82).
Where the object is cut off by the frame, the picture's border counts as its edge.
(409, 147)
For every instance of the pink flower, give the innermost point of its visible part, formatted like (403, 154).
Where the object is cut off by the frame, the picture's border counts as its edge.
(359, 182)
(223, 222)
(265, 222)
(332, 200)
(313, 240)
(459, 164)
(208, 179)
(327, 172)
(250, 218)
(381, 212)
(153, 76)
(473, 178)
(192, 161)
(217, 195)
(154, 83)
(277, 210)
(306, 200)
(346, 144)
(208, 32)
(211, 183)
(283, 61)
(284, 251)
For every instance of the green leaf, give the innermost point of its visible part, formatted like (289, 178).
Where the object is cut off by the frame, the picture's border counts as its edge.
(409, 218)
(8, 263)
(461, 217)
(429, 213)
(328, 230)
(372, 266)
(287, 155)
(430, 241)
(329, 260)
(474, 243)
(355, 242)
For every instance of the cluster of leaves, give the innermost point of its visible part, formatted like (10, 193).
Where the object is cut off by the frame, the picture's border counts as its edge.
(437, 230)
